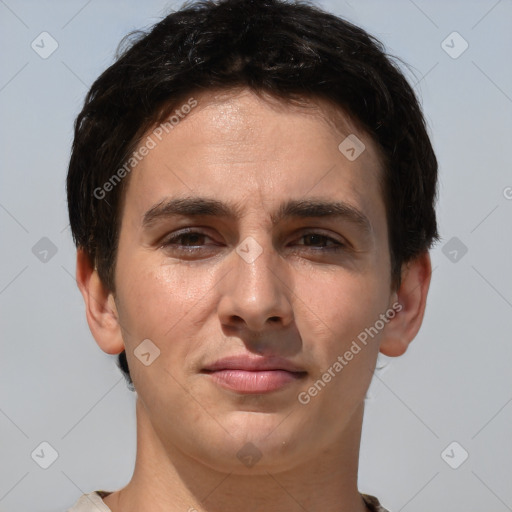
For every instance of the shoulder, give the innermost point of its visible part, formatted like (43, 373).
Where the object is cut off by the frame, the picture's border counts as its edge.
(91, 502)
(373, 503)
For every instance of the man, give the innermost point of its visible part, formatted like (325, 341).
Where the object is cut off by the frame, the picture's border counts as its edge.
(251, 192)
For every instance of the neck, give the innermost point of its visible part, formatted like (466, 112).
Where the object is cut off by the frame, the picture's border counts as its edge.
(166, 479)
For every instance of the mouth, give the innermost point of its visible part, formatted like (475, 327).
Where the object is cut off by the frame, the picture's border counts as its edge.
(247, 375)
(243, 381)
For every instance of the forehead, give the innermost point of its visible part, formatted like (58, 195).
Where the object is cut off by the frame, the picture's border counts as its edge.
(241, 147)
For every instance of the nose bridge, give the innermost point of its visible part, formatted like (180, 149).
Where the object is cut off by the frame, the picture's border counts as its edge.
(255, 290)
(257, 265)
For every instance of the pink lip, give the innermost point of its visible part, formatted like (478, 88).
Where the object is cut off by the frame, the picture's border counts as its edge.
(248, 374)
(244, 381)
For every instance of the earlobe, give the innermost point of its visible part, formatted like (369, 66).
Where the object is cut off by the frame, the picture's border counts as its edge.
(100, 308)
(412, 297)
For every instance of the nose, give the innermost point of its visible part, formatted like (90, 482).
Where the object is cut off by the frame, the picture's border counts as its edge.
(256, 293)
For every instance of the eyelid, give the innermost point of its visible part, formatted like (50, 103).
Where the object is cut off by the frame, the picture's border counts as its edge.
(185, 231)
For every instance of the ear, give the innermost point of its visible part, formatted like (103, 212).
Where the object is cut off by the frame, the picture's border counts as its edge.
(412, 296)
(100, 307)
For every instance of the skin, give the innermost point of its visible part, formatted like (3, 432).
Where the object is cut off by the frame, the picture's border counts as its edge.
(298, 299)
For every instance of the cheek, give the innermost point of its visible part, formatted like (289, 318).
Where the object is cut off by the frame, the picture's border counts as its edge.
(341, 305)
(155, 294)
(340, 308)
(165, 304)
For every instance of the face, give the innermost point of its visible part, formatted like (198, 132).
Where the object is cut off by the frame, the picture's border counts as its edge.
(230, 248)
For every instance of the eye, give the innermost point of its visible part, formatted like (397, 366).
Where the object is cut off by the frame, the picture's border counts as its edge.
(318, 239)
(192, 241)
(188, 241)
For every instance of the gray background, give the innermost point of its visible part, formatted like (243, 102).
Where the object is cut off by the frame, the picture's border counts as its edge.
(453, 384)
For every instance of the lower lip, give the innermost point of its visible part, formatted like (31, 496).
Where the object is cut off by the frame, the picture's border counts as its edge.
(244, 381)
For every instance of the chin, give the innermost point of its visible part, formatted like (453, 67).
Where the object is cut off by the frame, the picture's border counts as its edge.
(252, 459)
(255, 443)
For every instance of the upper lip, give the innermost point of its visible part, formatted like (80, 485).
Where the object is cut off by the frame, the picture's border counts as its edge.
(251, 363)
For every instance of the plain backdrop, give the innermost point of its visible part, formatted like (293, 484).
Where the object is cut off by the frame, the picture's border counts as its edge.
(452, 386)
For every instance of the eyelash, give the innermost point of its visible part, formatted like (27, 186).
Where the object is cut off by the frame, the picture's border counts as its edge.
(171, 241)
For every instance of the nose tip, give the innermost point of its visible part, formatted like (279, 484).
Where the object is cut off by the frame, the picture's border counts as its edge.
(254, 293)
(256, 323)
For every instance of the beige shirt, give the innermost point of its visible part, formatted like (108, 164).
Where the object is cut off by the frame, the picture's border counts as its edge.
(93, 502)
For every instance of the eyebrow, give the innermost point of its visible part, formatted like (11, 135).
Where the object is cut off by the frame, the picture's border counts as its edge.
(298, 208)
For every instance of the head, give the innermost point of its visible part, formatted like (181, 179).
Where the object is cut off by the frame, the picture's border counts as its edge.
(295, 153)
